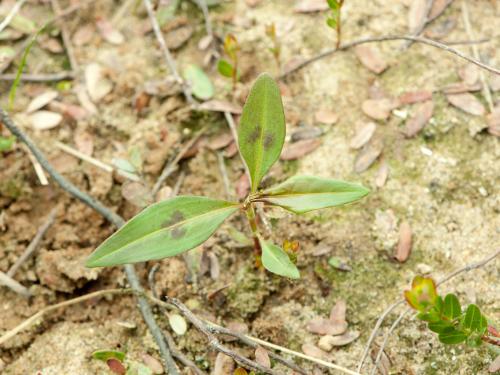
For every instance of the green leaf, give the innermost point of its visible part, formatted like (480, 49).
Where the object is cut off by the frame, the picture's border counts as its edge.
(474, 320)
(431, 316)
(164, 229)
(104, 355)
(6, 143)
(333, 4)
(301, 194)
(452, 307)
(201, 85)
(423, 294)
(474, 341)
(262, 128)
(331, 22)
(452, 336)
(439, 326)
(225, 68)
(277, 261)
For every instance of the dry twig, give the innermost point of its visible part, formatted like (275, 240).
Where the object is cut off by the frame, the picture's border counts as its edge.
(418, 39)
(9, 282)
(66, 36)
(13, 11)
(48, 77)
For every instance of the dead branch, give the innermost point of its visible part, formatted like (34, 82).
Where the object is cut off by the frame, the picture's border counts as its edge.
(48, 77)
(418, 39)
(12, 284)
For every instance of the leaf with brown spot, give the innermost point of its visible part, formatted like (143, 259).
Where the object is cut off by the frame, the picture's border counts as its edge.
(363, 135)
(412, 97)
(367, 156)
(419, 119)
(262, 357)
(326, 116)
(379, 109)
(371, 58)
(403, 249)
(296, 150)
(467, 103)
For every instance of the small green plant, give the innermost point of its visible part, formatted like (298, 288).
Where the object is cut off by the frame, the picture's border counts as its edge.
(226, 68)
(334, 20)
(118, 364)
(179, 224)
(276, 45)
(446, 317)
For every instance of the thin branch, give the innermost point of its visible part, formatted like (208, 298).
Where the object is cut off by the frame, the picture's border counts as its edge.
(225, 178)
(166, 52)
(14, 10)
(418, 39)
(202, 4)
(33, 246)
(466, 268)
(9, 282)
(66, 37)
(110, 216)
(172, 166)
(47, 77)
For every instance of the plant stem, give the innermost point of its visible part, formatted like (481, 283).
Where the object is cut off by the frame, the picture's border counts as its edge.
(252, 220)
(339, 25)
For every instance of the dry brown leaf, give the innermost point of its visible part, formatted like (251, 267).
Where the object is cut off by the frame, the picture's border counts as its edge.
(385, 363)
(493, 120)
(467, 103)
(412, 97)
(325, 116)
(403, 249)
(236, 327)
(220, 141)
(306, 132)
(97, 85)
(84, 142)
(176, 38)
(137, 193)
(322, 326)
(417, 15)
(164, 193)
(84, 99)
(313, 351)
(494, 82)
(262, 357)
(461, 87)
(214, 266)
(44, 120)
(83, 35)
(52, 45)
(73, 111)
(379, 109)
(367, 156)
(108, 32)
(371, 58)
(224, 365)
(469, 74)
(153, 364)
(116, 367)
(310, 6)
(382, 174)
(419, 119)
(231, 150)
(438, 7)
(221, 106)
(441, 29)
(252, 3)
(338, 312)
(328, 341)
(41, 101)
(495, 365)
(296, 150)
(363, 135)
(242, 186)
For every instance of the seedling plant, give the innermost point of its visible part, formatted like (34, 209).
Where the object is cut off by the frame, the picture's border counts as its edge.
(334, 20)
(175, 225)
(229, 68)
(446, 317)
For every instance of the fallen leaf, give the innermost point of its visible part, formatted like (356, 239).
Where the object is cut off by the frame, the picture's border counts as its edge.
(97, 85)
(242, 186)
(214, 266)
(367, 156)
(141, 101)
(224, 365)
(385, 363)
(43, 120)
(467, 103)
(41, 101)
(153, 364)
(231, 150)
(164, 193)
(469, 74)
(199, 82)
(419, 119)
(296, 150)
(439, 30)
(379, 109)
(328, 341)
(322, 326)
(137, 193)
(363, 135)
(382, 174)
(178, 324)
(84, 142)
(306, 132)
(236, 327)
(72, 111)
(438, 7)
(84, 99)
(338, 312)
(116, 366)
(221, 106)
(262, 357)
(252, 3)
(220, 141)
(83, 35)
(108, 32)
(370, 58)
(176, 38)
(494, 82)
(493, 121)
(417, 15)
(495, 365)
(403, 249)
(325, 116)
(461, 87)
(412, 97)
(310, 6)
(313, 351)
(52, 45)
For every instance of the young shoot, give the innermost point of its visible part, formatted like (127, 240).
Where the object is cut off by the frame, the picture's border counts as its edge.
(175, 225)
(230, 68)
(276, 46)
(334, 20)
(446, 317)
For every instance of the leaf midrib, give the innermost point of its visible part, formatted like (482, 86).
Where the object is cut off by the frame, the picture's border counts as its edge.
(260, 146)
(300, 194)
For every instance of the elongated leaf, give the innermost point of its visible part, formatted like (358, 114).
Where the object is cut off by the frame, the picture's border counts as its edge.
(440, 326)
(262, 128)
(452, 308)
(277, 261)
(474, 320)
(163, 230)
(301, 194)
(452, 336)
(225, 68)
(104, 355)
